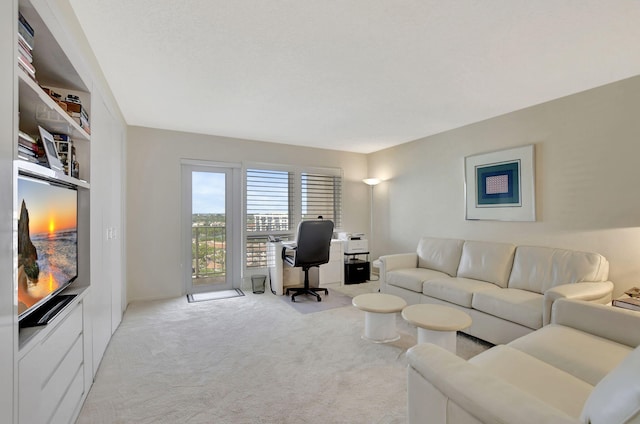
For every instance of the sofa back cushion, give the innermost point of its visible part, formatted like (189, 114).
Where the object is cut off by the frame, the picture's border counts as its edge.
(440, 254)
(487, 261)
(537, 269)
(614, 400)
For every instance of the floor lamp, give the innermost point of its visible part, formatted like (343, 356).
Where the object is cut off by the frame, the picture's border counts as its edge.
(371, 182)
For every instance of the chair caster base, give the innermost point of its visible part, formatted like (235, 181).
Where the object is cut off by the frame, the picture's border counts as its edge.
(303, 290)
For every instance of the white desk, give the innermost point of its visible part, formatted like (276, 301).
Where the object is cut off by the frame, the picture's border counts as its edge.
(283, 276)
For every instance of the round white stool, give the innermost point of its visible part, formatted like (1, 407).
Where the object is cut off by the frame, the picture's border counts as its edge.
(380, 315)
(437, 324)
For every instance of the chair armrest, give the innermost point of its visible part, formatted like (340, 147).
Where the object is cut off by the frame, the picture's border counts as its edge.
(598, 292)
(609, 322)
(447, 379)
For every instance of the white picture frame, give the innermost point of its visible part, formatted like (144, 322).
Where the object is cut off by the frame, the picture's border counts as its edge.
(50, 150)
(500, 185)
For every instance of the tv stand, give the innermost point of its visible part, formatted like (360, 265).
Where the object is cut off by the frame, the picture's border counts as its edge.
(48, 311)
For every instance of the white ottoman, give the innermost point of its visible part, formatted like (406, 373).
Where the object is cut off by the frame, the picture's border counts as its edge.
(437, 324)
(380, 315)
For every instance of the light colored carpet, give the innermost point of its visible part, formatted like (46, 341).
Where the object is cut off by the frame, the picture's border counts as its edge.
(250, 359)
(306, 304)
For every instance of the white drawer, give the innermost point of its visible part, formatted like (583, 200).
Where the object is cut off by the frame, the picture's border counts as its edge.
(54, 390)
(71, 403)
(61, 338)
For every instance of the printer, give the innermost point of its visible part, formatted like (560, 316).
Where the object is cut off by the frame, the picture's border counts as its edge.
(354, 242)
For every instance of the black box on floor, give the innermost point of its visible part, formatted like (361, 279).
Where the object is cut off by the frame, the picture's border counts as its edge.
(356, 271)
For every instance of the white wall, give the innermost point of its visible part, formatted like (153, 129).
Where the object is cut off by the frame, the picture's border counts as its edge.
(153, 196)
(587, 175)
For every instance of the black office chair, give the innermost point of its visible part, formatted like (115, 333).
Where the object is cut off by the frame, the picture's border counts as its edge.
(312, 249)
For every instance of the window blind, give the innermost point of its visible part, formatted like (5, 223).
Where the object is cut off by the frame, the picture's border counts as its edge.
(268, 201)
(322, 196)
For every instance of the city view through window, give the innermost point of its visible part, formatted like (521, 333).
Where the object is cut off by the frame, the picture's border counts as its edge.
(208, 228)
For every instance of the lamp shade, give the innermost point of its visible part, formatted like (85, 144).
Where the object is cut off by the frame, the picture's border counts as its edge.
(371, 181)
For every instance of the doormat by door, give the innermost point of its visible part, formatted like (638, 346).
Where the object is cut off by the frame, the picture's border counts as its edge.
(215, 295)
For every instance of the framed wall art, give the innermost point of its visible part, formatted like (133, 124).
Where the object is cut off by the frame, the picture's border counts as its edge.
(501, 185)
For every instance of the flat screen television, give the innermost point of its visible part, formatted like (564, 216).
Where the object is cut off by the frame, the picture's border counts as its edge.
(47, 242)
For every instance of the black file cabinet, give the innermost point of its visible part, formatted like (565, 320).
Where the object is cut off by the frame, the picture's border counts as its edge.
(356, 267)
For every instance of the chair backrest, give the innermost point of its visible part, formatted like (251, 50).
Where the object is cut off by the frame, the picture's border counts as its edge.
(313, 242)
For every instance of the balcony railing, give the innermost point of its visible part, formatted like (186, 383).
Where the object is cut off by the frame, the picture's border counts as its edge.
(209, 251)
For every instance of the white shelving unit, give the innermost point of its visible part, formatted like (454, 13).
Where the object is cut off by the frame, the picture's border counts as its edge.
(47, 371)
(37, 108)
(54, 362)
(54, 70)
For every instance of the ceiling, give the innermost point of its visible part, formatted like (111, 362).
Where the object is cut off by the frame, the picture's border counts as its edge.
(352, 75)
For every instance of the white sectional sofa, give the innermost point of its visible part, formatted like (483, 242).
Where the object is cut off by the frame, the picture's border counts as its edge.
(582, 368)
(508, 290)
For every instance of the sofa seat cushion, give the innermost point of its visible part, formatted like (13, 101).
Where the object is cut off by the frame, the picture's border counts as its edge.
(520, 306)
(456, 290)
(557, 345)
(412, 278)
(543, 381)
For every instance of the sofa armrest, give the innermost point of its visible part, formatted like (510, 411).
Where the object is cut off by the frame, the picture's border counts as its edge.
(399, 261)
(441, 383)
(396, 261)
(609, 322)
(598, 292)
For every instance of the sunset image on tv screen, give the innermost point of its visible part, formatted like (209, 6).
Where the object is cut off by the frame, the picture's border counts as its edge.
(47, 240)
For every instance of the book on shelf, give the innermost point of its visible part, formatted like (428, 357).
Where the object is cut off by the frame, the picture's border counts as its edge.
(27, 151)
(82, 122)
(25, 41)
(42, 156)
(77, 112)
(26, 37)
(25, 24)
(25, 46)
(26, 54)
(26, 137)
(632, 303)
(28, 158)
(27, 144)
(26, 64)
